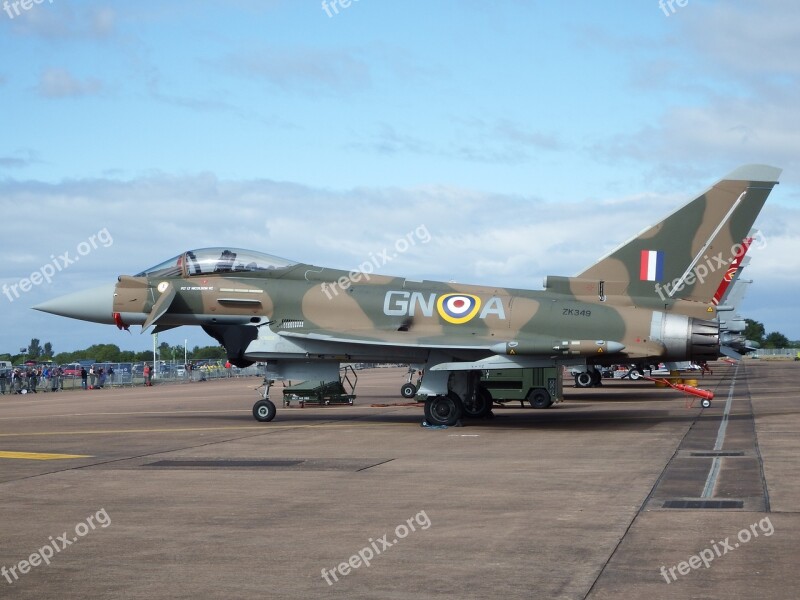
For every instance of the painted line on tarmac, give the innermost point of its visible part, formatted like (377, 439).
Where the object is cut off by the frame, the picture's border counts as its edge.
(263, 428)
(716, 463)
(144, 412)
(112, 431)
(181, 412)
(272, 427)
(40, 455)
(268, 427)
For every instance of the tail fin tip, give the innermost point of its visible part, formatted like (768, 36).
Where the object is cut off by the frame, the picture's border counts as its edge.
(755, 173)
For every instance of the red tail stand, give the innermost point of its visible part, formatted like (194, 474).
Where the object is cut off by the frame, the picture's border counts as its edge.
(706, 396)
(694, 391)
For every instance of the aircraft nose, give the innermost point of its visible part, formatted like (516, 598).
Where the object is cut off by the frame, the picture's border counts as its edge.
(95, 305)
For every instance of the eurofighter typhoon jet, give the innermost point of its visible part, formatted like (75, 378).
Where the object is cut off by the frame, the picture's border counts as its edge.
(650, 300)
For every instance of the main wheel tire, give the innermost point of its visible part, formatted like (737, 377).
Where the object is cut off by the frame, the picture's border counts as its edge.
(583, 379)
(596, 378)
(264, 411)
(409, 390)
(443, 410)
(540, 398)
(480, 407)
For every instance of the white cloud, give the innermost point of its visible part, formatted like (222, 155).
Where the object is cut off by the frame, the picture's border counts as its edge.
(476, 140)
(729, 91)
(19, 159)
(754, 38)
(63, 20)
(733, 130)
(304, 69)
(60, 83)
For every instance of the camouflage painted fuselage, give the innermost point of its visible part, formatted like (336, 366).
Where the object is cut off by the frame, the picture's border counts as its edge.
(306, 310)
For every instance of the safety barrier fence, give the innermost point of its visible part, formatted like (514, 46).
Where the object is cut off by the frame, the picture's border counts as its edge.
(131, 374)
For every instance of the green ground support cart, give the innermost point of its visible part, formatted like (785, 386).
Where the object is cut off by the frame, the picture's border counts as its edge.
(323, 393)
(540, 387)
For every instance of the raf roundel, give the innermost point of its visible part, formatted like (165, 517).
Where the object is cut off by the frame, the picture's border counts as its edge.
(458, 308)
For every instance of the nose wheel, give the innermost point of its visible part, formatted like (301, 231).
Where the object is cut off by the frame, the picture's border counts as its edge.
(264, 411)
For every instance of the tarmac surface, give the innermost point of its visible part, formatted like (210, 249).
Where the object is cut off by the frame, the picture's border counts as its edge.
(624, 491)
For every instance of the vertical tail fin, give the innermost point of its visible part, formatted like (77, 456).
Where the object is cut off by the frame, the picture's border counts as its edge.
(684, 256)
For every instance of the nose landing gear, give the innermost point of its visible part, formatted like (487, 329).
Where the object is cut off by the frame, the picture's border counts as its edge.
(264, 410)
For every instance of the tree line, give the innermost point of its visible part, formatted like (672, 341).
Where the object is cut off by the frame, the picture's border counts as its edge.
(754, 330)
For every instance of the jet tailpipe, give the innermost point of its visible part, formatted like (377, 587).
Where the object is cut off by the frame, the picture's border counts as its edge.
(686, 338)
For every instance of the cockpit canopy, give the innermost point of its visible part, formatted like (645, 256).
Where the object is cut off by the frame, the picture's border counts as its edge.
(213, 261)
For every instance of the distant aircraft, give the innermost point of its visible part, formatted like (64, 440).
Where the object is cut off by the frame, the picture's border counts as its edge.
(733, 342)
(728, 299)
(648, 301)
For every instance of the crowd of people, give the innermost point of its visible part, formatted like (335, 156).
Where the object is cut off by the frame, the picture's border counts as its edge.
(32, 380)
(35, 379)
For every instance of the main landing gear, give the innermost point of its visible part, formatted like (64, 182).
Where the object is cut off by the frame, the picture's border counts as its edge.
(466, 398)
(586, 379)
(478, 405)
(444, 410)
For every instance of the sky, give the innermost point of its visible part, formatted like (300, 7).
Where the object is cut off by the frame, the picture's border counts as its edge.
(524, 138)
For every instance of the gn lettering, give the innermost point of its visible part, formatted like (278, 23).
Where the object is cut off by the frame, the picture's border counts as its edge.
(399, 303)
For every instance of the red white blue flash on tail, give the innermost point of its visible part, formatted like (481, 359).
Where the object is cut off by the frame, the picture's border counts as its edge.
(652, 265)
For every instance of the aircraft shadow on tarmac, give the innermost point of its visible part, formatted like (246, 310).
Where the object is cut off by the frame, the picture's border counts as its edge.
(560, 417)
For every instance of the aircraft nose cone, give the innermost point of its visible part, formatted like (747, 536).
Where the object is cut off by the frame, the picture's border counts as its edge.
(95, 305)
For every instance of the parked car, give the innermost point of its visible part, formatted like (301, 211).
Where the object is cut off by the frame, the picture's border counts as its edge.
(72, 370)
